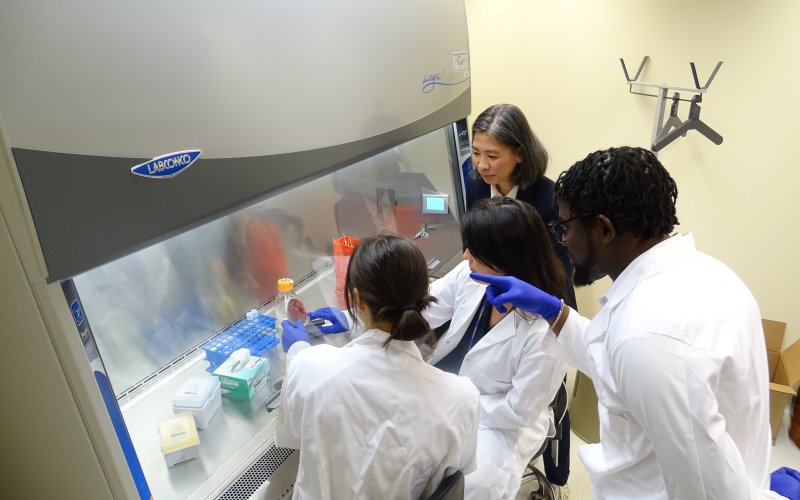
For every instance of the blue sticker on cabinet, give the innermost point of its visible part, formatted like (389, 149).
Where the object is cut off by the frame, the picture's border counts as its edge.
(168, 165)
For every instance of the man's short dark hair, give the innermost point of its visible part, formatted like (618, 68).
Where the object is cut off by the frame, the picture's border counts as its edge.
(627, 185)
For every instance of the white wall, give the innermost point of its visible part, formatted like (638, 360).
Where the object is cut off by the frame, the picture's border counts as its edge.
(558, 61)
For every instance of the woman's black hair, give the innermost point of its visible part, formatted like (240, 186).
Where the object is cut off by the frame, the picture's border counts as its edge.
(507, 124)
(510, 237)
(391, 276)
(627, 185)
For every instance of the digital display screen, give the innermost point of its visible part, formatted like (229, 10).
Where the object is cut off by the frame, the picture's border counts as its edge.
(434, 203)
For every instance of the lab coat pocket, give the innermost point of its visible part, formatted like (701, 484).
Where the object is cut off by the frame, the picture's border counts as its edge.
(616, 442)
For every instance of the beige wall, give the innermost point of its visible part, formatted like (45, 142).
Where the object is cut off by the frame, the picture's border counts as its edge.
(559, 61)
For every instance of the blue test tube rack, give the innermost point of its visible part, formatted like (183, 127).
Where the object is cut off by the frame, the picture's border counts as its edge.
(258, 335)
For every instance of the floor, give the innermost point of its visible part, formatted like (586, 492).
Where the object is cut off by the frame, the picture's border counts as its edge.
(784, 453)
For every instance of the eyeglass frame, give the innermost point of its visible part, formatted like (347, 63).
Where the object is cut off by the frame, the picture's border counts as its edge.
(558, 229)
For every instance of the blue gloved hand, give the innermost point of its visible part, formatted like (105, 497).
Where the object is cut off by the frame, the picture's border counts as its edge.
(510, 290)
(786, 482)
(292, 332)
(337, 318)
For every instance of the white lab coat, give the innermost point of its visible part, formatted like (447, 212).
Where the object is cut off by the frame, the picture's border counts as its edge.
(515, 375)
(678, 360)
(375, 423)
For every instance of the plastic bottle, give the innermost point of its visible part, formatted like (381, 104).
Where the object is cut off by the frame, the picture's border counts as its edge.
(288, 305)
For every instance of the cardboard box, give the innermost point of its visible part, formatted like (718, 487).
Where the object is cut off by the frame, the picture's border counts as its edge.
(784, 371)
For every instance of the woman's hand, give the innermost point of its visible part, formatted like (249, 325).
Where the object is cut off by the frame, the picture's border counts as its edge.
(293, 331)
(337, 318)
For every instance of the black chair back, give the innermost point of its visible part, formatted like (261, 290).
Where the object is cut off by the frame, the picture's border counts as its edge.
(451, 488)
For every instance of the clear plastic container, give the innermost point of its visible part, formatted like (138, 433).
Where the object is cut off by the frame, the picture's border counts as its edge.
(288, 304)
(201, 397)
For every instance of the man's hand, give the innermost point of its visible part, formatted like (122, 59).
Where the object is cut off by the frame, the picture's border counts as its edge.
(520, 294)
(786, 482)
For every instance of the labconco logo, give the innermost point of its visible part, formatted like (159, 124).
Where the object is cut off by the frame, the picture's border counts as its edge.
(168, 165)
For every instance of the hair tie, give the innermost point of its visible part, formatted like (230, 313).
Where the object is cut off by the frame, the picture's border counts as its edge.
(408, 308)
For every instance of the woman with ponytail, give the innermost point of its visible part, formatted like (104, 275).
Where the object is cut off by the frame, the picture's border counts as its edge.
(371, 419)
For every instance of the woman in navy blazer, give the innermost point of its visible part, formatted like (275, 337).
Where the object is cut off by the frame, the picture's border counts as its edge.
(508, 160)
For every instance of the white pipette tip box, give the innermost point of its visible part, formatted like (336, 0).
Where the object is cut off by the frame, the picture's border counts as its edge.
(202, 397)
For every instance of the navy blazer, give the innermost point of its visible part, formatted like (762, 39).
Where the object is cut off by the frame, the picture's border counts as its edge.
(542, 196)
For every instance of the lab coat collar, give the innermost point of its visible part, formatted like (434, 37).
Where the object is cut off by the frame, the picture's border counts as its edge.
(378, 337)
(472, 298)
(502, 331)
(511, 194)
(662, 256)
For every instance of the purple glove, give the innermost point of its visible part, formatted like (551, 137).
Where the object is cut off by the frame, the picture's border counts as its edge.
(510, 290)
(337, 318)
(292, 332)
(786, 482)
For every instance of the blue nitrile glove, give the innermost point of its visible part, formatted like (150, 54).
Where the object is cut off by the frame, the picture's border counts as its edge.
(522, 295)
(335, 316)
(292, 332)
(786, 482)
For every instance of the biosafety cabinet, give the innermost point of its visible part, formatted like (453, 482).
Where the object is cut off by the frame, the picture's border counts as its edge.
(162, 163)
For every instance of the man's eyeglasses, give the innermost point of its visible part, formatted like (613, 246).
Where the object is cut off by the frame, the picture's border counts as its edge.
(559, 230)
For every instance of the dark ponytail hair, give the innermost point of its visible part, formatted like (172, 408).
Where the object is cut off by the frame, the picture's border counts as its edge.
(391, 276)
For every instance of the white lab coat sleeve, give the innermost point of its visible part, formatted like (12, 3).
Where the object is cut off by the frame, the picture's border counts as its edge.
(668, 388)
(294, 349)
(533, 388)
(571, 346)
(444, 289)
(289, 422)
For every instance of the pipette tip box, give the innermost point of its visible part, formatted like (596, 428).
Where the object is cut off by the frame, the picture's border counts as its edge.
(179, 439)
(201, 397)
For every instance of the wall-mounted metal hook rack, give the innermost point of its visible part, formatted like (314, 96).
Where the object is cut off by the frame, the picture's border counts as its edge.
(692, 123)
(662, 95)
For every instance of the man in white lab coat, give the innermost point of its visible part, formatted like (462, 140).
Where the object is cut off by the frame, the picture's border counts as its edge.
(676, 353)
